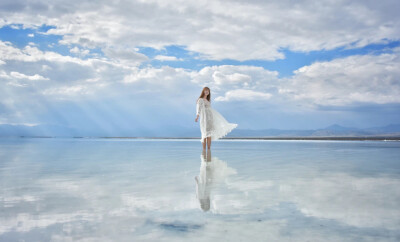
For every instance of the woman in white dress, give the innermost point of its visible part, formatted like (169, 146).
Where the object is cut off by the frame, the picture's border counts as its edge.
(212, 124)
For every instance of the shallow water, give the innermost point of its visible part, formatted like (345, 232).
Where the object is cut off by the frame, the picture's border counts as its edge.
(145, 190)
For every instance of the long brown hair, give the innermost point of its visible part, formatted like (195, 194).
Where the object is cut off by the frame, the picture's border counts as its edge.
(202, 94)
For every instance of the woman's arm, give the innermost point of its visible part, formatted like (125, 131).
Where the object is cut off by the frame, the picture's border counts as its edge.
(199, 106)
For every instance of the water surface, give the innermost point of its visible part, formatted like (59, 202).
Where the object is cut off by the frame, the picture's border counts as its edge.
(56, 189)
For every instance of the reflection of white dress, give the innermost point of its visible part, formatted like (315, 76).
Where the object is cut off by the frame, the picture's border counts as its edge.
(212, 171)
(212, 123)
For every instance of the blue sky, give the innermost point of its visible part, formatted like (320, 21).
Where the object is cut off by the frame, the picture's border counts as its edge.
(141, 66)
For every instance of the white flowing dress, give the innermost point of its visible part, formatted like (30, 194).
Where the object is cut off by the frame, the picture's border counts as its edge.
(212, 123)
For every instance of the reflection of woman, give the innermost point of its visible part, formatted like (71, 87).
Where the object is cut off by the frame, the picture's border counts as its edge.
(204, 182)
(212, 124)
(212, 171)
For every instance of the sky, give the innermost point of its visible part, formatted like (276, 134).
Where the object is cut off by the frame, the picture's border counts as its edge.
(118, 66)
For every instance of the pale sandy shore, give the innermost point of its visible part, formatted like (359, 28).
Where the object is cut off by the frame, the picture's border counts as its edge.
(275, 138)
(349, 138)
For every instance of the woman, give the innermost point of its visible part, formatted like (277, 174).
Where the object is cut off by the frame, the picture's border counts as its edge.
(212, 124)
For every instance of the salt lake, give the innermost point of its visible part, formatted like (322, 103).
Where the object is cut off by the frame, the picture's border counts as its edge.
(93, 189)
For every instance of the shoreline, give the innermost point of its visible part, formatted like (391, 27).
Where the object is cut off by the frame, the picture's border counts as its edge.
(347, 138)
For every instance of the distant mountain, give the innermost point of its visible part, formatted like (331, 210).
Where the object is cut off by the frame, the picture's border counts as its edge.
(337, 130)
(268, 133)
(179, 131)
(391, 128)
(332, 130)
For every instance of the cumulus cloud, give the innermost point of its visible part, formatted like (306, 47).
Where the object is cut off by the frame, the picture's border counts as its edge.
(79, 51)
(35, 77)
(242, 94)
(32, 54)
(162, 78)
(51, 79)
(166, 58)
(67, 92)
(236, 29)
(125, 55)
(227, 77)
(350, 80)
(19, 79)
(360, 79)
(343, 81)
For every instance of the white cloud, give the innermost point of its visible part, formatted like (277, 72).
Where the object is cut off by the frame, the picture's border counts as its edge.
(14, 26)
(368, 78)
(353, 79)
(227, 77)
(236, 29)
(243, 94)
(46, 68)
(167, 58)
(141, 74)
(78, 51)
(18, 79)
(350, 80)
(31, 35)
(125, 55)
(221, 79)
(356, 79)
(74, 80)
(35, 77)
(67, 91)
(160, 79)
(32, 54)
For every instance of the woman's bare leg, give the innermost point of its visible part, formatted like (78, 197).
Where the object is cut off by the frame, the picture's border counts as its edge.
(204, 143)
(209, 142)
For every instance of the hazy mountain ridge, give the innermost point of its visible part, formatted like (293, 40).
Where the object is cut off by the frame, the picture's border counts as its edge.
(177, 131)
(332, 130)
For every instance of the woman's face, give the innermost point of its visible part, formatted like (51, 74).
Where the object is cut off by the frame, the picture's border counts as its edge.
(206, 92)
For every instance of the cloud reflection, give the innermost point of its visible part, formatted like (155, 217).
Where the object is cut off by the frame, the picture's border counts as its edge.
(144, 191)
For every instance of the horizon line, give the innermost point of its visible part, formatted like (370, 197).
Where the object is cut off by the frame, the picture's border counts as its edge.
(349, 138)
